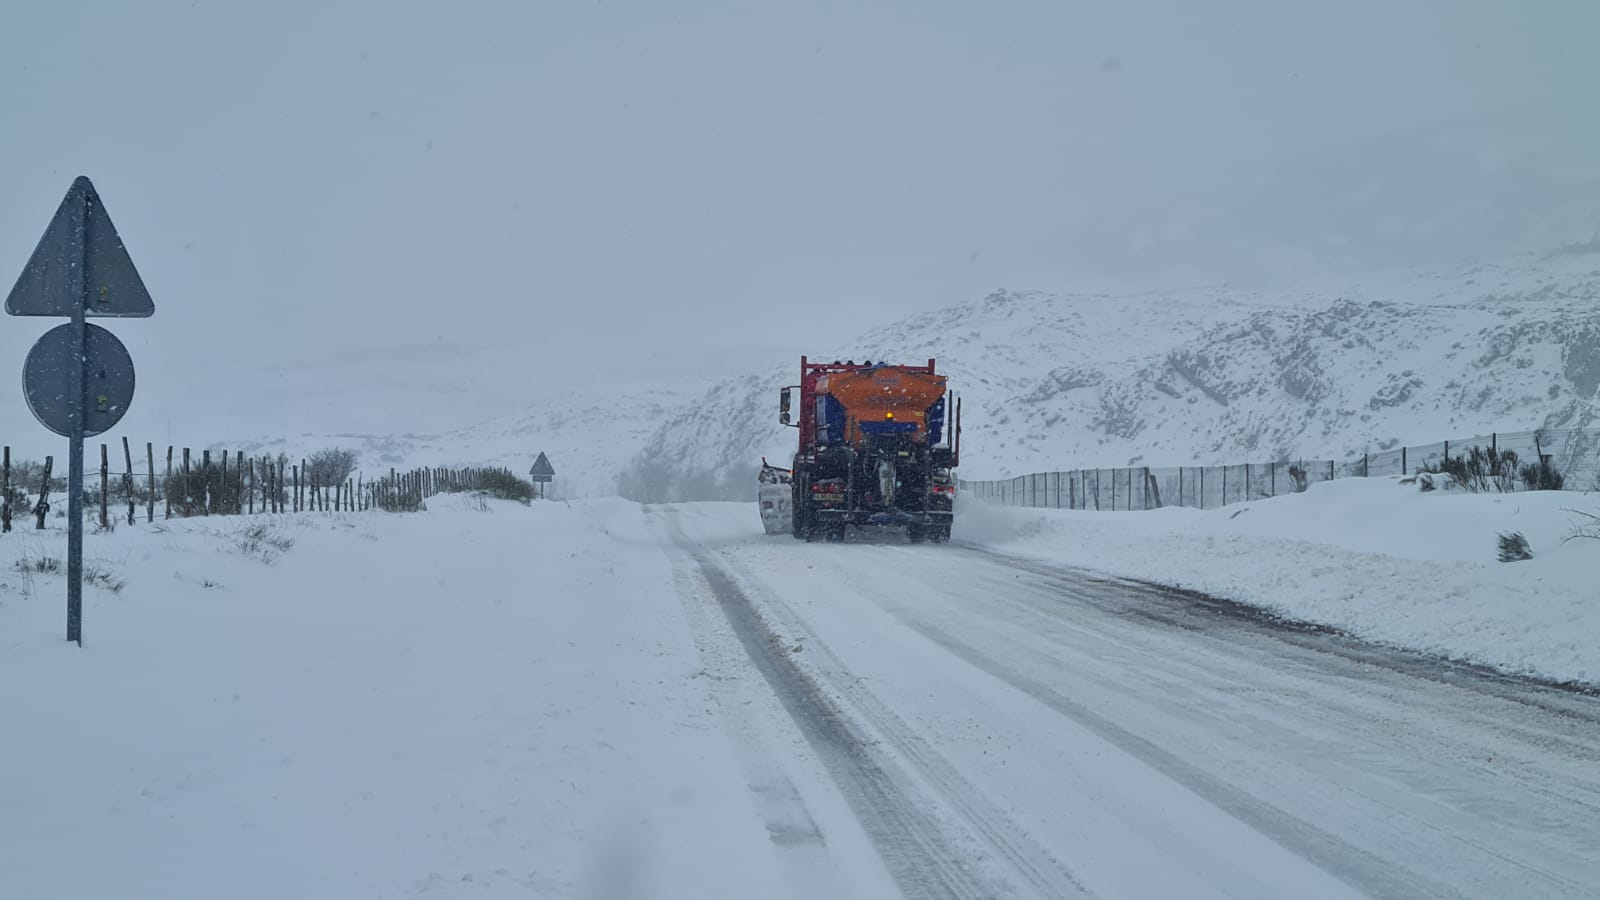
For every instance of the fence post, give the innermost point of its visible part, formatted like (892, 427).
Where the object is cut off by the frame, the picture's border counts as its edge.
(1273, 479)
(1447, 450)
(1365, 473)
(5, 501)
(1202, 487)
(1494, 443)
(1224, 484)
(42, 508)
(105, 487)
(1331, 473)
(1403, 461)
(150, 457)
(127, 482)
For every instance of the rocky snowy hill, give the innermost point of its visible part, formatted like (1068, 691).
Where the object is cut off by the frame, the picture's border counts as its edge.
(1057, 381)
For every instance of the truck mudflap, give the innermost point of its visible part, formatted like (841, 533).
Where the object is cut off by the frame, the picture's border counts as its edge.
(882, 517)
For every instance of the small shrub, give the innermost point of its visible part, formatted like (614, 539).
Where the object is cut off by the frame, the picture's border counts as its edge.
(48, 565)
(1514, 547)
(263, 540)
(1477, 471)
(504, 484)
(1298, 474)
(1542, 475)
(94, 576)
(331, 466)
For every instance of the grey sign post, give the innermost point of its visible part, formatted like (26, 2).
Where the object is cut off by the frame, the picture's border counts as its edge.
(78, 378)
(542, 472)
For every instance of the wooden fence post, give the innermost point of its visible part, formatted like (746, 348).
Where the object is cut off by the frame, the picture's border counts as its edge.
(188, 491)
(105, 487)
(42, 508)
(127, 481)
(208, 496)
(150, 501)
(5, 502)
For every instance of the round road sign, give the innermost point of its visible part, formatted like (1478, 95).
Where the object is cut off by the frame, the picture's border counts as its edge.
(108, 379)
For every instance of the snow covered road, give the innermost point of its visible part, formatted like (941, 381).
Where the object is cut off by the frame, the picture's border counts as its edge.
(600, 701)
(1008, 728)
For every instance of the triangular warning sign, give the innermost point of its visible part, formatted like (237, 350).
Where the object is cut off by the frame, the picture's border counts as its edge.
(80, 261)
(542, 467)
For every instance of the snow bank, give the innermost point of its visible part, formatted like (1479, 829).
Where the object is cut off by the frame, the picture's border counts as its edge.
(1373, 557)
(457, 703)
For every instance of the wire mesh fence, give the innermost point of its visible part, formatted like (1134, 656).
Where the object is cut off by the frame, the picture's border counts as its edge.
(1575, 453)
(1149, 487)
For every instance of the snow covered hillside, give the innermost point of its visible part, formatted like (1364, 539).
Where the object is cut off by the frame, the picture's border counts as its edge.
(1201, 376)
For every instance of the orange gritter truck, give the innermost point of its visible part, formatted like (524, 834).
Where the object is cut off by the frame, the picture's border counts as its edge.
(878, 445)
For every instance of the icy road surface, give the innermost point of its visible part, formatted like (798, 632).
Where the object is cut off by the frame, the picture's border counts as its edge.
(1008, 728)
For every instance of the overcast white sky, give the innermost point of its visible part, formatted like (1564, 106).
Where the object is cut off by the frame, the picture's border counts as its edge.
(306, 174)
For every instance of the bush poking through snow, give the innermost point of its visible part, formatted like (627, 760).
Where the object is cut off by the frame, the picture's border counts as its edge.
(48, 565)
(332, 466)
(1298, 473)
(1514, 547)
(503, 484)
(1542, 476)
(263, 540)
(1477, 471)
(94, 576)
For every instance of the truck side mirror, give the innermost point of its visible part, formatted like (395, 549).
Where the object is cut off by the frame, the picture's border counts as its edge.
(783, 406)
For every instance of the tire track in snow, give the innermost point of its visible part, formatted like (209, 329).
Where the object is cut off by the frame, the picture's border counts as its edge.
(802, 848)
(910, 839)
(1044, 873)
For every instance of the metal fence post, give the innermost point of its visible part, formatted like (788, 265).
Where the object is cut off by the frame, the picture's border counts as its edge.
(1402, 460)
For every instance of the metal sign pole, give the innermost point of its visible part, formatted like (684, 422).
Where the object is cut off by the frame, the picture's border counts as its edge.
(75, 396)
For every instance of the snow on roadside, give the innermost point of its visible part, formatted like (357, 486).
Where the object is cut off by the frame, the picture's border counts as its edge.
(449, 704)
(1373, 557)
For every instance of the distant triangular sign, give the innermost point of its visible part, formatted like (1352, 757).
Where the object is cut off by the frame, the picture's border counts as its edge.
(542, 468)
(80, 261)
